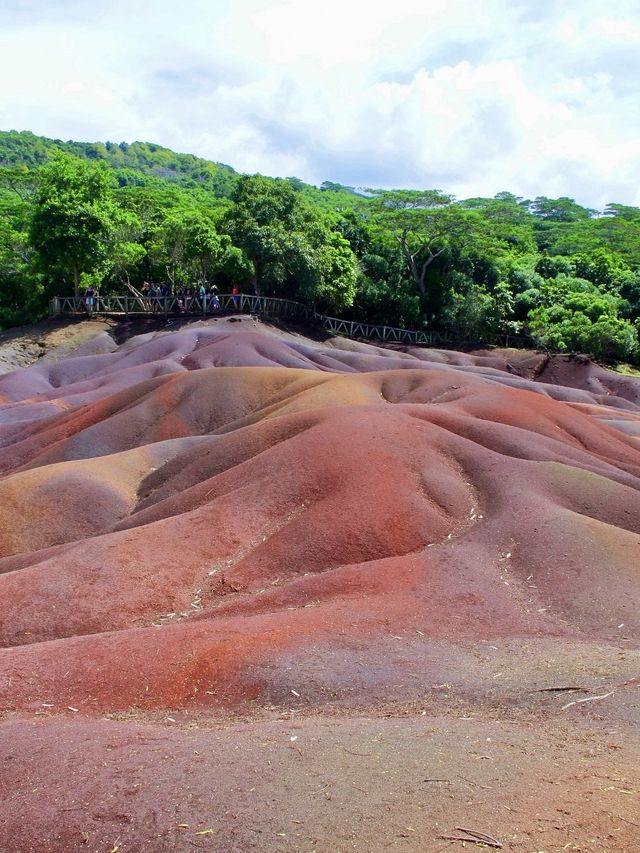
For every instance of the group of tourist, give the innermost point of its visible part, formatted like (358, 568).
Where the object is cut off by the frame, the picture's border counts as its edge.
(188, 298)
(198, 298)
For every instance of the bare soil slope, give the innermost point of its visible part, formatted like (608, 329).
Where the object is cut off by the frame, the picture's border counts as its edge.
(260, 592)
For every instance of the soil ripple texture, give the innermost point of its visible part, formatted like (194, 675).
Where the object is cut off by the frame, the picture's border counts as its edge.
(225, 523)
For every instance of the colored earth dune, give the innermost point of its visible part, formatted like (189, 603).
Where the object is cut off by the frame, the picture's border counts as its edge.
(241, 570)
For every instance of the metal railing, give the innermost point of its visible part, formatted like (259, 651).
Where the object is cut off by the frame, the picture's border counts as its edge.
(270, 307)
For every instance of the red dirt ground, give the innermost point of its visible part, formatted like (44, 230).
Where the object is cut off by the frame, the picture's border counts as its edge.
(266, 587)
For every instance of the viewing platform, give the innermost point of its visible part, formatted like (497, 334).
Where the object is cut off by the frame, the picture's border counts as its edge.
(271, 308)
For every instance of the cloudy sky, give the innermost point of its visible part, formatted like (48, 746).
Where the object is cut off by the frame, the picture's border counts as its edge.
(468, 96)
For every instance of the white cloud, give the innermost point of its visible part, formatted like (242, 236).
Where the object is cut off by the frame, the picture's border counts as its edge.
(536, 97)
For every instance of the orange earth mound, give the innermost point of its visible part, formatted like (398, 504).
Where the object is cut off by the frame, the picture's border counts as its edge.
(223, 521)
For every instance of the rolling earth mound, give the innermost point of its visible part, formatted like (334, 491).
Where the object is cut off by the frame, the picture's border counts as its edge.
(227, 535)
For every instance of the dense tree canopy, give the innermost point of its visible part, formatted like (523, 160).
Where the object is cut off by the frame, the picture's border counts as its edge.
(291, 247)
(73, 214)
(74, 217)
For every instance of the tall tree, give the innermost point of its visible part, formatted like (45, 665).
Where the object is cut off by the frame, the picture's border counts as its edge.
(187, 246)
(291, 247)
(74, 216)
(20, 288)
(561, 209)
(425, 225)
(261, 223)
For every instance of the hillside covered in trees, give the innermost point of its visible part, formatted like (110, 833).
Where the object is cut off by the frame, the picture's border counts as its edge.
(74, 214)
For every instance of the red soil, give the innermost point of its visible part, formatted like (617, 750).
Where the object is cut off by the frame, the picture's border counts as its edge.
(223, 522)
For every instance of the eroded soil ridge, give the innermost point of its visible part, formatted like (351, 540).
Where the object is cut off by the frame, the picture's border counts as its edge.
(226, 522)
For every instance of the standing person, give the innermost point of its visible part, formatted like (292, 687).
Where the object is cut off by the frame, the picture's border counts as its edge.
(208, 298)
(90, 296)
(165, 293)
(235, 295)
(144, 290)
(154, 292)
(202, 297)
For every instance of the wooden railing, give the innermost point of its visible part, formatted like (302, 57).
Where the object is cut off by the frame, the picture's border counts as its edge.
(270, 307)
(175, 306)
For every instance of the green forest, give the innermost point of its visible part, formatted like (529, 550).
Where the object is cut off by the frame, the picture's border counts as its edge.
(74, 215)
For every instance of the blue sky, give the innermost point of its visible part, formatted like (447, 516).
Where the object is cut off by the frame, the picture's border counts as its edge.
(465, 96)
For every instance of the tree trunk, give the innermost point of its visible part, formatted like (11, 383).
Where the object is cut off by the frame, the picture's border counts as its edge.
(255, 279)
(76, 281)
(422, 276)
